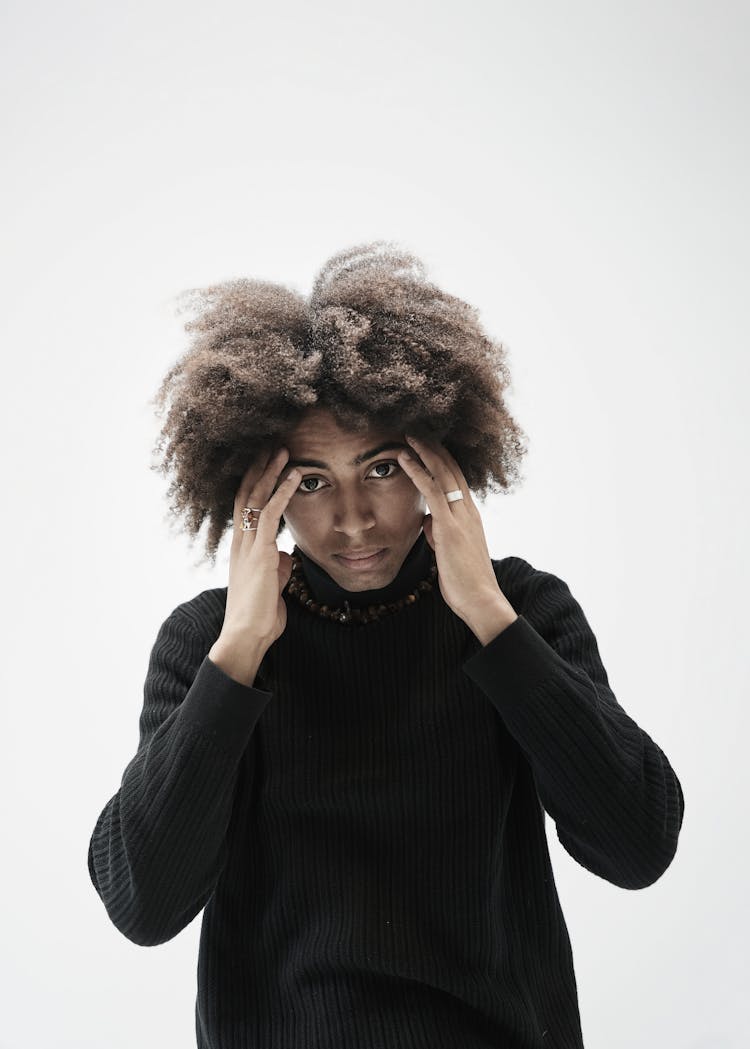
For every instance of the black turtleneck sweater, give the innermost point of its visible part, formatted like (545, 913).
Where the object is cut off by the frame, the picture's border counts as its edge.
(365, 826)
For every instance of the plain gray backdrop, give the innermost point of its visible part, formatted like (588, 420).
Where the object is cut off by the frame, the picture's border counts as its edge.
(577, 171)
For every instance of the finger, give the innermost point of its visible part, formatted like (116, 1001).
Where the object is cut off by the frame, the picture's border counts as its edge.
(441, 464)
(270, 475)
(434, 464)
(434, 479)
(252, 482)
(456, 472)
(271, 464)
(249, 479)
(419, 475)
(274, 507)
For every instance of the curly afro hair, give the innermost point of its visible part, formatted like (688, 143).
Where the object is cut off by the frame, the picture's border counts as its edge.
(375, 343)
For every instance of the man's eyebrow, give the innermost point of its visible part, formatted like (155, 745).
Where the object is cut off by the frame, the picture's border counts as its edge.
(384, 447)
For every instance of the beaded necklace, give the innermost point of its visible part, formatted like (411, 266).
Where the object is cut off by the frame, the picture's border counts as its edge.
(298, 587)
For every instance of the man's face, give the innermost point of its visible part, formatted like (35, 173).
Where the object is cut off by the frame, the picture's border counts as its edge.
(343, 507)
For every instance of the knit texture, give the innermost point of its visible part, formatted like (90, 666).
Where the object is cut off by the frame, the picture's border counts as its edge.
(364, 829)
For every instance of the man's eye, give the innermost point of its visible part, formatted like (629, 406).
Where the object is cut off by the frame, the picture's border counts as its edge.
(384, 477)
(379, 465)
(304, 481)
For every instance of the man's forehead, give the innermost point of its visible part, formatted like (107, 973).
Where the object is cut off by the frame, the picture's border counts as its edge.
(310, 445)
(321, 433)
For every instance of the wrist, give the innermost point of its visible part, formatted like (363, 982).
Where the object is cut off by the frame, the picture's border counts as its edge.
(239, 658)
(242, 639)
(487, 622)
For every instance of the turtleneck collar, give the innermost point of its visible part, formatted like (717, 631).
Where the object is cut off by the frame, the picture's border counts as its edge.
(325, 590)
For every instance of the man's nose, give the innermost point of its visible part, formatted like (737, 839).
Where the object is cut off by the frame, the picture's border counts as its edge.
(353, 514)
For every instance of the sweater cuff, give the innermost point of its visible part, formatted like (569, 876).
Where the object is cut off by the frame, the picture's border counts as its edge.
(514, 661)
(222, 709)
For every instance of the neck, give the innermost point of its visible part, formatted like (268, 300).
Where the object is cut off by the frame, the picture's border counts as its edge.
(327, 591)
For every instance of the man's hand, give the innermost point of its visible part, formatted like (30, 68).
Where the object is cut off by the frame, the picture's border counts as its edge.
(455, 532)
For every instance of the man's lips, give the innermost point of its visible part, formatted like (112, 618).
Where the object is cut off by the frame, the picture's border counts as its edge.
(361, 555)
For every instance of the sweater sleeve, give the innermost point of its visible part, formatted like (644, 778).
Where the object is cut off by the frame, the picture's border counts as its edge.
(159, 844)
(616, 802)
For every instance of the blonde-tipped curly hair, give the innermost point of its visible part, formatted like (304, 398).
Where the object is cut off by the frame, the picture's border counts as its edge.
(375, 343)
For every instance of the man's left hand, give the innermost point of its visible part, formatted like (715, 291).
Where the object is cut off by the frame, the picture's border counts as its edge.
(455, 532)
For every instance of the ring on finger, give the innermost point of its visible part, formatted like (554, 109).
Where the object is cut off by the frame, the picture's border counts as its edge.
(249, 520)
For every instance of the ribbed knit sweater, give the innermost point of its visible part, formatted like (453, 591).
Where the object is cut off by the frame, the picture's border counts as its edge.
(364, 827)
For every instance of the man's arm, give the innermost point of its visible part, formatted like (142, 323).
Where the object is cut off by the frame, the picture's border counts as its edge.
(616, 802)
(159, 845)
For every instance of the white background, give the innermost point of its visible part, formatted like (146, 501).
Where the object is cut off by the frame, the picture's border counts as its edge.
(578, 171)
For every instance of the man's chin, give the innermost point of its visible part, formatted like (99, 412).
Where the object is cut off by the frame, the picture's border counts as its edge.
(365, 574)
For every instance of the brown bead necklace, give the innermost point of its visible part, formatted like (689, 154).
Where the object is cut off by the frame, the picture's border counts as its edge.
(298, 587)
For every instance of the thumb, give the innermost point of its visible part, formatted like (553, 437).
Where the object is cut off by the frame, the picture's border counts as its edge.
(427, 528)
(284, 569)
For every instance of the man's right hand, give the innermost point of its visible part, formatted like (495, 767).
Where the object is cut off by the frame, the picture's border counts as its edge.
(255, 614)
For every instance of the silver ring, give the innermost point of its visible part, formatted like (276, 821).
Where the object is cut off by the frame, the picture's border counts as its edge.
(452, 496)
(249, 521)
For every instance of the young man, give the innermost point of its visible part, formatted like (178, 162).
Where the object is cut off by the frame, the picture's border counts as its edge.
(346, 757)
